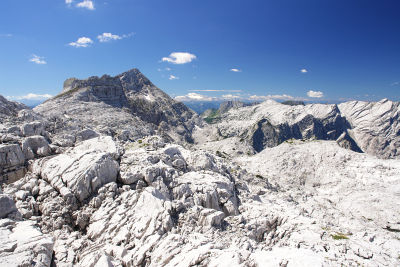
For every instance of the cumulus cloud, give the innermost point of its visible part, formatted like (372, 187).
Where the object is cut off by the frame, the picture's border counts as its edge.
(85, 4)
(68, 2)
(82, 42)
(172, 77)
(235, 70)
(179, 58)
(315, 94)
(30, 96)
(38, 60)
(230, 96)
(194, 97)
(303, 70)
(107, 37)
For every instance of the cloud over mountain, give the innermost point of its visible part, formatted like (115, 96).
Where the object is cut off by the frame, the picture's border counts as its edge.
(315, 94)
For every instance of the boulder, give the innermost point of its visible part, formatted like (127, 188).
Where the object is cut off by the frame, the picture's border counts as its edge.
(23, 244)
(11, 155)
(82, 170)
(33, 128)
(7, 205)
(35, 146)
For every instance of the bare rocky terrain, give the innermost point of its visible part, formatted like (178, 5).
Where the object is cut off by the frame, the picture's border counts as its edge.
(113, 172)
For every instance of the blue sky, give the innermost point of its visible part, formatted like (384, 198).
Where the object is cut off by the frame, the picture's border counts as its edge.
(326, 51)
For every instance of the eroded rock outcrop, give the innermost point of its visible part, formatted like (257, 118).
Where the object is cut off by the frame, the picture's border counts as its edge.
(91, 186)
(128, 106)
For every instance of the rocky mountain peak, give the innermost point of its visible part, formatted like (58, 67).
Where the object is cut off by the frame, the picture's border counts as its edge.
(134, 80)
(127, 102)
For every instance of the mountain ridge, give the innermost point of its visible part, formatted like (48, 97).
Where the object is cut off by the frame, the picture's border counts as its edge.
(97, 176)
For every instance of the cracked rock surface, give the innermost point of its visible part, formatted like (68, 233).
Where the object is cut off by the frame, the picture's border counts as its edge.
(112, 172)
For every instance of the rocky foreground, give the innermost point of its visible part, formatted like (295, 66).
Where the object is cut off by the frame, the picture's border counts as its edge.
(113, 172)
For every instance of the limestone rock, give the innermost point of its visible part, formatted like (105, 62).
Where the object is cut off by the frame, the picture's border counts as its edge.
(376, 126)
(116, 104)
(7, 205)
(33, 128)
(22, 244)
(34, 146)
(82, 170)
(11, 155)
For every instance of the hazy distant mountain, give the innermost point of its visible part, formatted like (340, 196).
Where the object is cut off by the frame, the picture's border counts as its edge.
(200, 106)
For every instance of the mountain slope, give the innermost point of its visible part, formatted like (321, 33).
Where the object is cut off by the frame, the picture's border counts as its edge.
(364, 127)
(127, 105)
(375, 126)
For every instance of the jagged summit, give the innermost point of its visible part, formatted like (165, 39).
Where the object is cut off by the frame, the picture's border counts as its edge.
(131, 80)
(128, 102)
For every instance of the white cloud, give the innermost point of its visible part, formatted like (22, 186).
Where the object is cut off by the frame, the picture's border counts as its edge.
(82, 42)
(230, 96)
(68, 2)
(108, 36)
(272, 97)
(235, 70)
(38, 60)
(303, 70)
(172, 77)
(242, 97)
(315, 94)
(179, 58)
(30, 96)
(194, 97)
(230, 91)
(86, 4)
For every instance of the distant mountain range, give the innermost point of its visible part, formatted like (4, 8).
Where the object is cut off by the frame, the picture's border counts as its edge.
(114, 172)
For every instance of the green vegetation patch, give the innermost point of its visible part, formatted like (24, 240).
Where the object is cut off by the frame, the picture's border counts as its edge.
(213, 117)
(339, 236)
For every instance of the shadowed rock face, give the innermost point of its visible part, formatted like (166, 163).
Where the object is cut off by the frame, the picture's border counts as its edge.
(129, 99)
(9, 108)
(265, 134)
(368, 127)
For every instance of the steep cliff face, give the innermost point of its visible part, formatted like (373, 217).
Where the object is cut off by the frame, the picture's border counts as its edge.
(127, 105)
(375, 126)
(270, 123)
